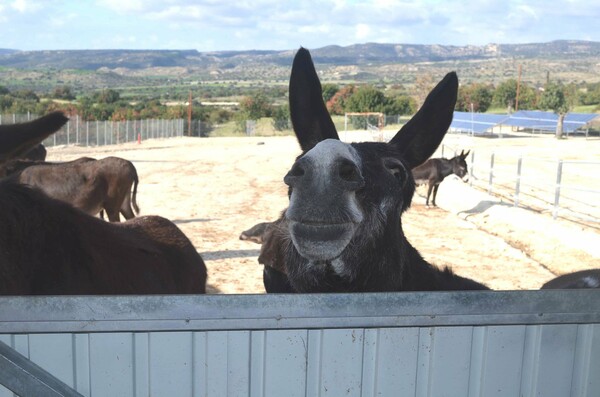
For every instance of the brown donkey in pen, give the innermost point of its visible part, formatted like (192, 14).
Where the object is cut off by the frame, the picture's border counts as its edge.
(47, 247)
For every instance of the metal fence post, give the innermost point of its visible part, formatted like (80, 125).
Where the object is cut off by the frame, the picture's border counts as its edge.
(518, 181)
(557, 188)
(491, 180)
(471, 169)
(97, 133)
(87, 133)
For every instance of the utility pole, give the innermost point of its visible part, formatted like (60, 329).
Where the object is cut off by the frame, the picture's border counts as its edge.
(518, 87)
(190, 114)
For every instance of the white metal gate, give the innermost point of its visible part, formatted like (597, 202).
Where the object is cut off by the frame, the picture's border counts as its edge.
(516, 343)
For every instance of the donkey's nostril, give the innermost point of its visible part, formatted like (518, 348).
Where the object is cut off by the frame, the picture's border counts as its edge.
(297, 170)
(294, 174)
(349, 172)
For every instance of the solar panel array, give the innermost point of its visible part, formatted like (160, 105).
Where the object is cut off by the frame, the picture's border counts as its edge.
(481, 123)
(476, 123)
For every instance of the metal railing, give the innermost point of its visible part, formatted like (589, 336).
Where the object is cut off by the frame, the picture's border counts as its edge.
(25, 378)
(563, 188)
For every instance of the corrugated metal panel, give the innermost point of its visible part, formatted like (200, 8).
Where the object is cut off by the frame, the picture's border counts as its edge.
(544, 360)
(555, 357)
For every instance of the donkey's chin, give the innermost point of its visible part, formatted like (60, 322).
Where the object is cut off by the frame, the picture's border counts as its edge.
(321, 242)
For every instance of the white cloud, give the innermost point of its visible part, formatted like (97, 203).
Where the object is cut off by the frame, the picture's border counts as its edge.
(315, 29)
(362, 31)
(272, 24)
(123, 6)
(24, 6)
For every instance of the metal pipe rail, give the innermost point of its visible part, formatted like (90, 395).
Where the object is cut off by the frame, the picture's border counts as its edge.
(25, 378)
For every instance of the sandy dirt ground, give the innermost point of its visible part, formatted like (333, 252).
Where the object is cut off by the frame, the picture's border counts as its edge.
(214, 188)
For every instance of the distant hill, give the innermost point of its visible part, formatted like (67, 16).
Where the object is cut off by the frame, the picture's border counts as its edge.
(357, 54)
(7, 51)
(173, 72)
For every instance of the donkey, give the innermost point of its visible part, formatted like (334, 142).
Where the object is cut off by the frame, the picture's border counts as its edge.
(342, 231)
(47, 247)
(434, 171)
(269, 235)
(88, 184)
(38, 153)
(589, 278)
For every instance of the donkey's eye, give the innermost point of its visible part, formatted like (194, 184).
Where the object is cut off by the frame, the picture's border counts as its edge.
(396, 168)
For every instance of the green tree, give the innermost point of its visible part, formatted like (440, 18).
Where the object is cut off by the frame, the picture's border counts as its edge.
(256, 106)
(400, 105)
(337, 103)
(219, 116)
(63, 92)
(479, 95)
(281, 118)
(527, 97)
(366, 99)
(6, 101)
(591, 95)
(329, 90)
(4, 90)
(505, 94)
(553, 98)
(108, 96)
(28, 95)
(85, 106)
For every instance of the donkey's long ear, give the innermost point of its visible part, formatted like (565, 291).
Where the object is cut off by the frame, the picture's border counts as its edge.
(419, 138)
(308, 112)
(17, 139)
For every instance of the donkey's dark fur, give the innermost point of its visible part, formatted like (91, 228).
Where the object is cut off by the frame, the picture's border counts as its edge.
(582, 279)
(434, 171)
(88, 184)
(38, 153)
(48, 247)
(343, 230)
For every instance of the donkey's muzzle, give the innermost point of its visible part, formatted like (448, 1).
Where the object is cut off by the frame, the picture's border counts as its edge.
(321, 241)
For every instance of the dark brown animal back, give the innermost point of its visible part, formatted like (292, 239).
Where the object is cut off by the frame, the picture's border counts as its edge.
(66, 252)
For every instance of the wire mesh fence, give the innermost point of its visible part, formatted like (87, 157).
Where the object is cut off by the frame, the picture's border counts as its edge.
(100, 133)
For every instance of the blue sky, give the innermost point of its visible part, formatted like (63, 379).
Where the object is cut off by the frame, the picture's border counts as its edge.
(212, 25)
